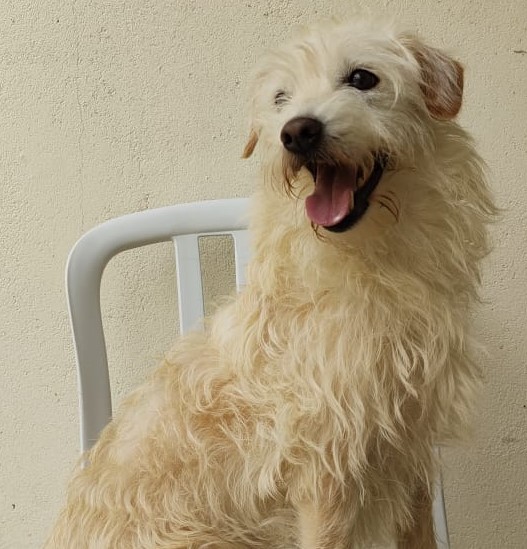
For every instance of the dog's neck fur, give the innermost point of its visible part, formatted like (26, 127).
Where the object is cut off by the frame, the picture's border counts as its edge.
(380, 310)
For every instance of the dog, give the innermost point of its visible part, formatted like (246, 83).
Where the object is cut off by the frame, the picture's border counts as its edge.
(307, 413)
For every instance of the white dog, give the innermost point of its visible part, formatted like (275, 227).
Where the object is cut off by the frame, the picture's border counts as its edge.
(307, 413)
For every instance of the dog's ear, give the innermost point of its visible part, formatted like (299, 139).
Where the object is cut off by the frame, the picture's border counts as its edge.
(441, 79)
(251, 144)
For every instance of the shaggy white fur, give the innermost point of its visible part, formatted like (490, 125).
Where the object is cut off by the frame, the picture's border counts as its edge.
(306, 414)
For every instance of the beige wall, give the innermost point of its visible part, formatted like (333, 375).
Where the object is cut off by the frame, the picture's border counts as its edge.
(112, 107)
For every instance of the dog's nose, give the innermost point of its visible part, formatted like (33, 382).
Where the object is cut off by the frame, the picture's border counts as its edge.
(301, 135)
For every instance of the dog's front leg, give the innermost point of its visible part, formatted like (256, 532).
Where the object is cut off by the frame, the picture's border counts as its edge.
(322, 528)
(421, 534)
(308, 526)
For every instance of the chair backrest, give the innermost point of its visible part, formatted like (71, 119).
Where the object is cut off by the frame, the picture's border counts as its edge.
(182, 224)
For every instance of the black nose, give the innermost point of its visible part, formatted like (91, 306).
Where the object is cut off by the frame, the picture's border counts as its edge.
(301, 135)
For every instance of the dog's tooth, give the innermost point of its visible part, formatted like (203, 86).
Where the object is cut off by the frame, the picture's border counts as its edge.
(360, 181)
(351, 201)
(360, 178)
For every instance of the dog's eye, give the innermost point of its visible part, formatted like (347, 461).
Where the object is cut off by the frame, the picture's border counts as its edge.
(280, 98)
(361, 79)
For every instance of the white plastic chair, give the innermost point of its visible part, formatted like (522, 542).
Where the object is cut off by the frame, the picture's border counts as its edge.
(182, 224)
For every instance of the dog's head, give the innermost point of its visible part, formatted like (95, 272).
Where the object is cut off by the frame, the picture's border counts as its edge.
(343, 104)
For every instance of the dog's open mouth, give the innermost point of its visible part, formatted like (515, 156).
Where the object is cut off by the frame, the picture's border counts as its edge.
(342, 193)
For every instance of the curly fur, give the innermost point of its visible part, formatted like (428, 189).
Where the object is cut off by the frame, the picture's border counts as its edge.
(307, 412)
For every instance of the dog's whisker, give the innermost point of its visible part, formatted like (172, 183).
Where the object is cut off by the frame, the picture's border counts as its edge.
(316, 230)
(393, 201)
(388, 206)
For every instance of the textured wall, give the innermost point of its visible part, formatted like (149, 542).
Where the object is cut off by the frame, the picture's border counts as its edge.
(111, 107)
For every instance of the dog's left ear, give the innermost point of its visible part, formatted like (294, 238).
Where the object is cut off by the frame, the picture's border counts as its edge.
(251, 144)
(441, 79)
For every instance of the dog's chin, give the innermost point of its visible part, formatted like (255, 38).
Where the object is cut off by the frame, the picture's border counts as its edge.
(361, 190)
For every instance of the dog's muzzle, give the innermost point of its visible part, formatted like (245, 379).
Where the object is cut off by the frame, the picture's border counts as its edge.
(342, 190)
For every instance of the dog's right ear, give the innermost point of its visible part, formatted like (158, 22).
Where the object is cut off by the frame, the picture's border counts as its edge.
(251, 144)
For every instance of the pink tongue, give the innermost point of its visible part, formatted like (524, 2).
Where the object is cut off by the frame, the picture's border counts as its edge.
(333, 197)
